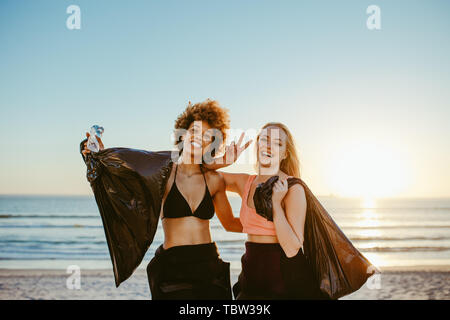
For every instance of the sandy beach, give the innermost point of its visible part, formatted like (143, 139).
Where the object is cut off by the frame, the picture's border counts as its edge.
(415, 283)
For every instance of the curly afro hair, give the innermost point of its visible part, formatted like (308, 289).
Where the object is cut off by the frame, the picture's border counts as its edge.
(209, 111)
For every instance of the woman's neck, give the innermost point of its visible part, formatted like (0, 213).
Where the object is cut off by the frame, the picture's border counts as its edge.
(188, 167)
(268, 171)
(264, 173)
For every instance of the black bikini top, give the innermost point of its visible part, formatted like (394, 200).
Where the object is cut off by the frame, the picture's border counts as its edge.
(176, 206)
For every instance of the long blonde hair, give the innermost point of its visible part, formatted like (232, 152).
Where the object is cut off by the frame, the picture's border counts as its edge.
(291, 164)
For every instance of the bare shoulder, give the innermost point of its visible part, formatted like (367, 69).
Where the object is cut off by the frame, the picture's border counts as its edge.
(240, 178)
(213, 177)
(296, 193)
(220, 179)
(295, 201)
(215, 181)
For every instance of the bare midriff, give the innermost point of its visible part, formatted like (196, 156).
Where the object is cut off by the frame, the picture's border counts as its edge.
(185, 231)
(262, 238)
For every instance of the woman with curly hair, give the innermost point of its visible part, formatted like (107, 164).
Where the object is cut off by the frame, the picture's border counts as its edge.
(187, 265)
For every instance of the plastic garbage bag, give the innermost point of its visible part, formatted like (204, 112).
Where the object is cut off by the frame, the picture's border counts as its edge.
(339, 267)
(128, 185)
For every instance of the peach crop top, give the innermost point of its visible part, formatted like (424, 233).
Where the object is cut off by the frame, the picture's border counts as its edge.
(253, 223)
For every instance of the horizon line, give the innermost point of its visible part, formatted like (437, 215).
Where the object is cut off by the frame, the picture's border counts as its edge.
(322, 196)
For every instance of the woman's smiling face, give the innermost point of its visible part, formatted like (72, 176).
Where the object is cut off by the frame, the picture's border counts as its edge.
(197, 139)
(271, 146)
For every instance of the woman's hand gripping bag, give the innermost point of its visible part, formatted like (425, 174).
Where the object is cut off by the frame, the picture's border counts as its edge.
(339, 267)
(128, 187)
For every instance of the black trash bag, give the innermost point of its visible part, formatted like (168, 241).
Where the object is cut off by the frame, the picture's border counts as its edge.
(128, 185)
(339, 267)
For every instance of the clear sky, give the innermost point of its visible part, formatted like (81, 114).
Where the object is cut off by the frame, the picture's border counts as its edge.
(369, 109)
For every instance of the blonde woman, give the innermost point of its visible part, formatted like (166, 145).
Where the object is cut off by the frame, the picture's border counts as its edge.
(274, 265)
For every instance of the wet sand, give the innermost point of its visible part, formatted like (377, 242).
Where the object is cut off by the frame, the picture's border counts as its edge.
(415, 283)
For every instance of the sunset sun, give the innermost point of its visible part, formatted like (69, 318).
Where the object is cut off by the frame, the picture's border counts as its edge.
(367, 170)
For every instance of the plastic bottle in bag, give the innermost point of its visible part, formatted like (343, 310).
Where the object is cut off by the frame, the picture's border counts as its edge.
(92, 143)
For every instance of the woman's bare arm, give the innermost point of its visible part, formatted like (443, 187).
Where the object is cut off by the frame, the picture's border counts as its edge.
(223, 208)
(290, 220)
(234, 182)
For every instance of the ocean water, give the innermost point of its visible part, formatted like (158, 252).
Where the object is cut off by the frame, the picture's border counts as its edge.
(57, 231)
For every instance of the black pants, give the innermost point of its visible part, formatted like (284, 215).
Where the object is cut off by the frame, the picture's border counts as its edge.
(189, 272)
(267, 273)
